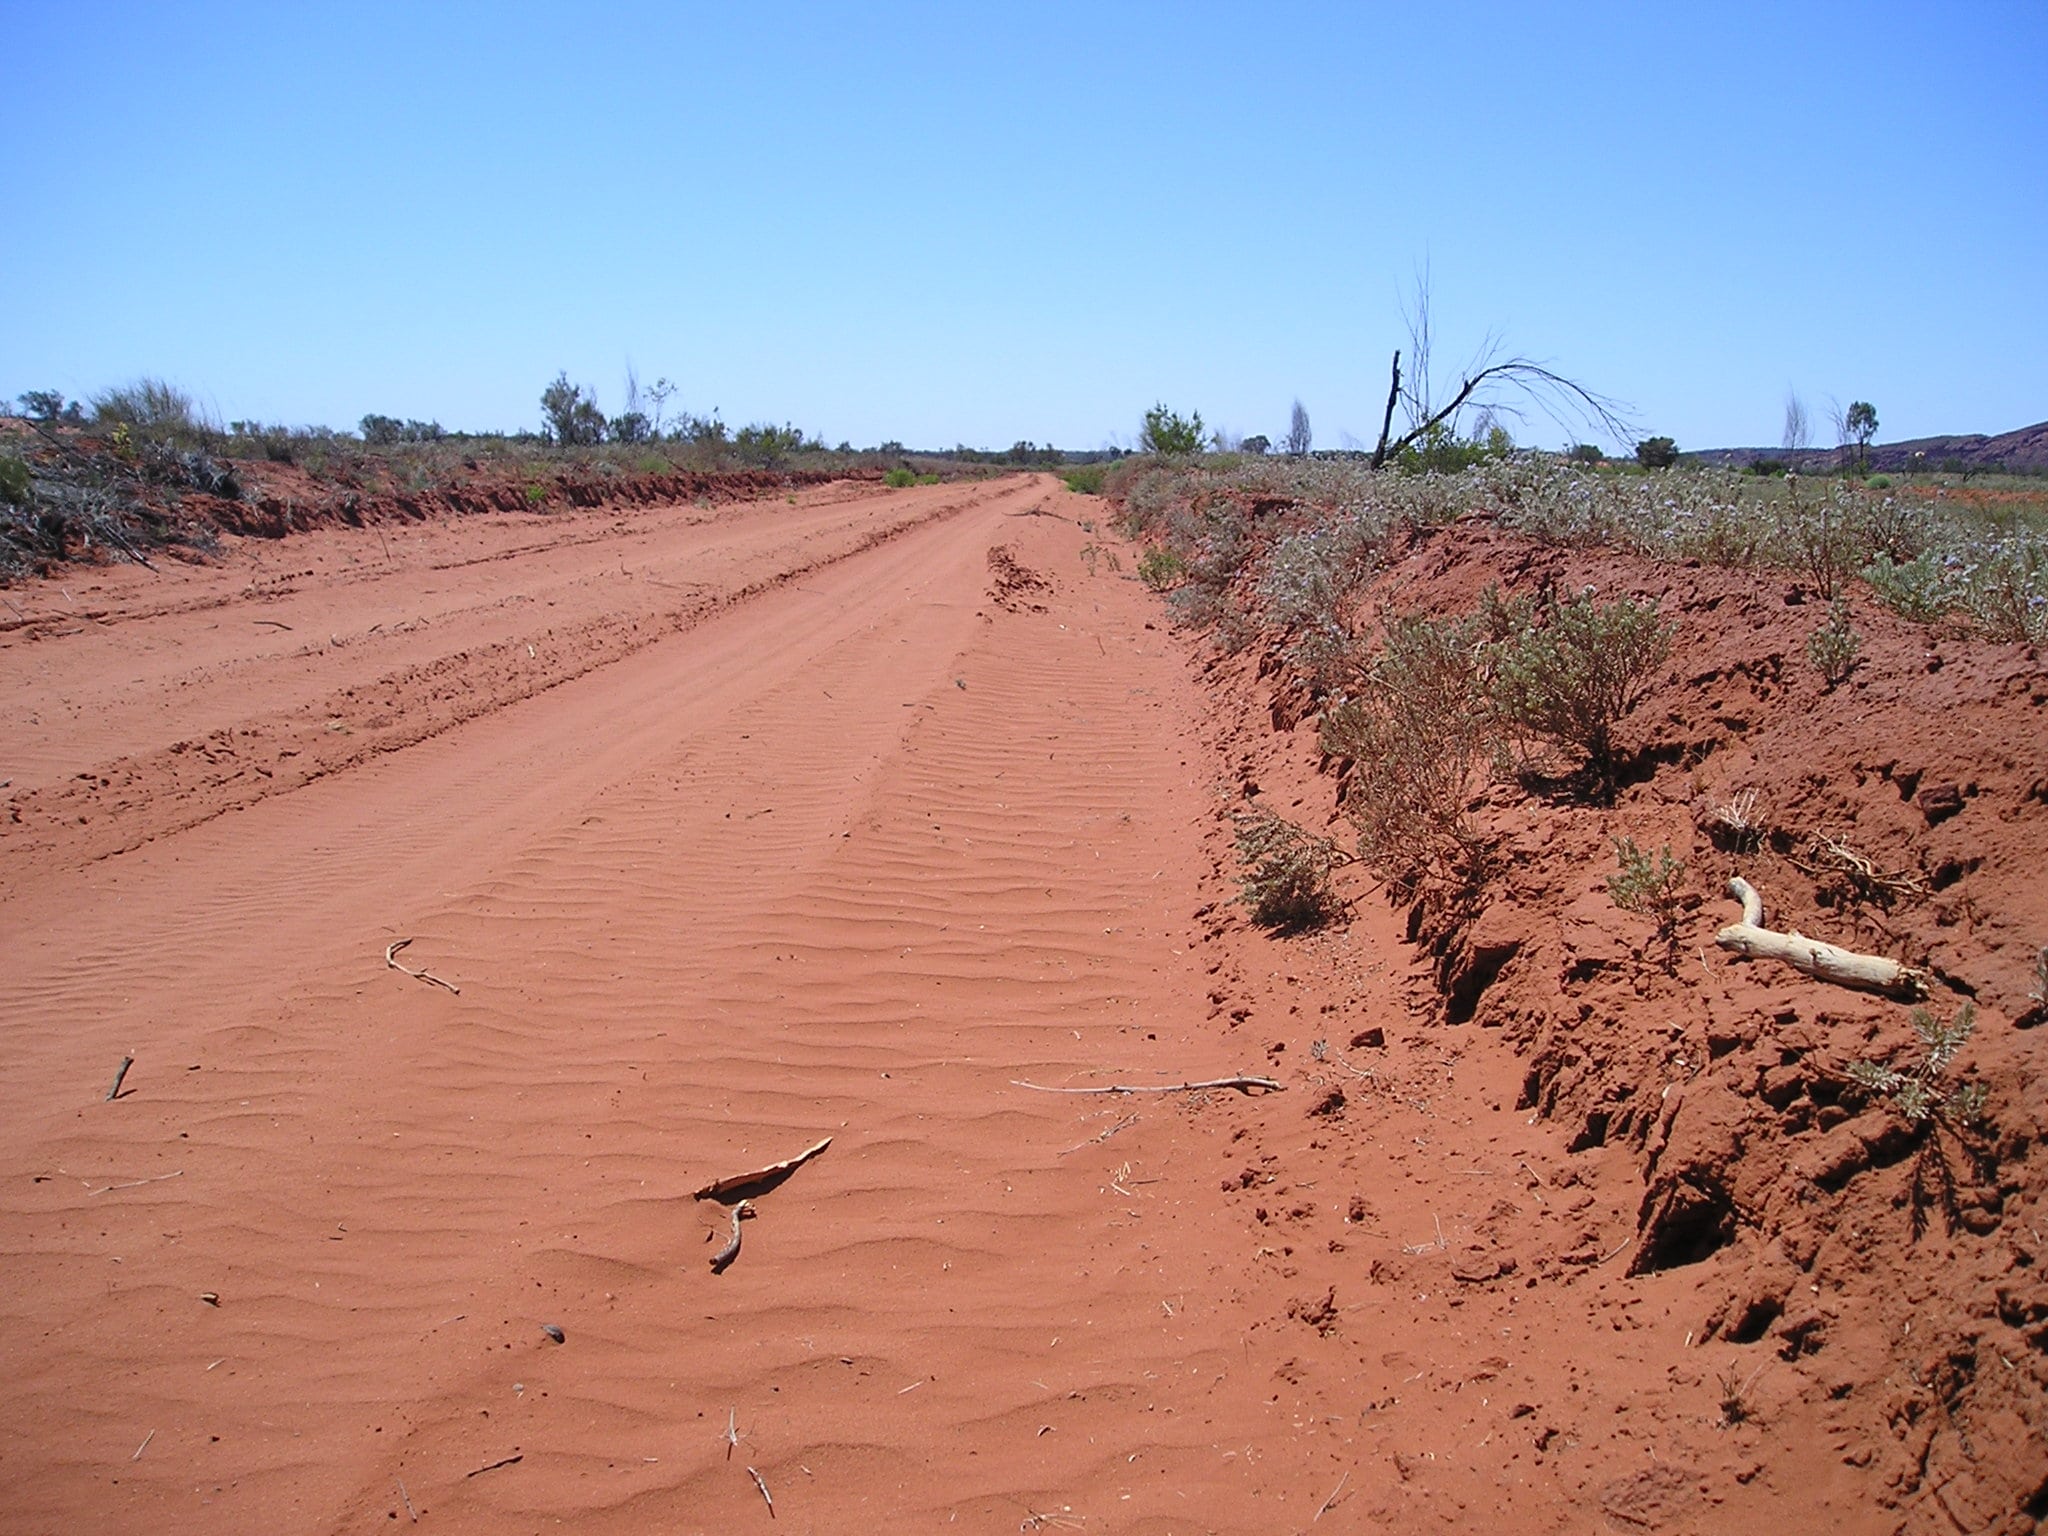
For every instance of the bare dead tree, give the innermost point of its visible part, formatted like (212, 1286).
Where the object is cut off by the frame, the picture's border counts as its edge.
(1500, 386)
(1299, 436)
(1798, 435)
(1838, 418)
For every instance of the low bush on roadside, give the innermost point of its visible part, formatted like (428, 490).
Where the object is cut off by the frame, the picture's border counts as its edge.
(1286, 878)
(1086, 478)
(1568, 678)
(1834, 646)
(1418, 732)
(1161, 569)
(1653, 887)
(1921, 1091)
(900, 479)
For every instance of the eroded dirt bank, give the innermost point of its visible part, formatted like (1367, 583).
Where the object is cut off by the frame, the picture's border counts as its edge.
(850, 819)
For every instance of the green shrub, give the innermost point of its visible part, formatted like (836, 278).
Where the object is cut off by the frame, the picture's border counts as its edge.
(2006, 589)
(1160, 568)
(1286, 879)
(1569, 678)
(151, 408)
(1649, 886)
(572, 418)
(1171, 435)
(1918, 1093)
(766, 445)
(16, 487)
(1917, 589)
(1086, 478)
(1418, 734)
(1656, 453)
(1833, 647)
(900, 479)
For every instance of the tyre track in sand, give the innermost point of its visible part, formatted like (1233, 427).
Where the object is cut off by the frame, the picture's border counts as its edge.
(849, 858)
(167, 708)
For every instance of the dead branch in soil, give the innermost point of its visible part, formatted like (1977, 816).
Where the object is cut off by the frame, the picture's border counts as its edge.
(120, 1073)
(1829, 858)
(1242, 1083)
(1824, 962)
(763, 1486)
(391, 959)
(1331, 1499)
(138, 1183)
(731, 1250)
(1124, 1124)
(408, 1500)
(771, 1175)
(503, 1461)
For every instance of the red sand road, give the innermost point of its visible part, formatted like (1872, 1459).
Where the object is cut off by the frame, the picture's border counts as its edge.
(845, 858)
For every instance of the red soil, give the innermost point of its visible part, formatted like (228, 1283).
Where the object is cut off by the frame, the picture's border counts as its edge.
(741, 828)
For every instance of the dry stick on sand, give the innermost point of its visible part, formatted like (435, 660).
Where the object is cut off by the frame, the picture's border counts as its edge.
(1242, 1084)
(731, 1250)
(789, 1165)
(391, 959)
(1825, 962)
(1331, 1499)
(408, 1500)
(758, 1483)
(502, 1461)
(120, 1072)
(138, 1183)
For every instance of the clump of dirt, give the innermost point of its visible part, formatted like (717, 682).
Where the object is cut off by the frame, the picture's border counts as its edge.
(1011, 584)
(1885, 1256)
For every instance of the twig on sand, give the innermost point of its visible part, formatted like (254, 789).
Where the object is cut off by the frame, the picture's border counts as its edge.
(1124, 1124)
(1606, 1256)
(502, 1461)
(279, 624)
(144, 1446)
(1241, 1083)
(773, 1173)
(731, 1250)
(391, 959)
(1036, 1521)
(138, 1183)
(732, 1436)
(408, 1500)
(120, 1072)
(1331, 1499)
(763, 1486)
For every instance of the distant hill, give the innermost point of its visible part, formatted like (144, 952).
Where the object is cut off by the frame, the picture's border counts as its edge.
(2024, 451)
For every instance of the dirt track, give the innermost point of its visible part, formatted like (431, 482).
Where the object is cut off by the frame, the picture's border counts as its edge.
(737, 829)
(846, 857)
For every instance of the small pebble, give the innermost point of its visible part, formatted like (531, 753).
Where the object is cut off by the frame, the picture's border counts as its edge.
(554, 1333)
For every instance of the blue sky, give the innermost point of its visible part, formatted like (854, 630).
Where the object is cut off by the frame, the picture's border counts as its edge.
(954, 223)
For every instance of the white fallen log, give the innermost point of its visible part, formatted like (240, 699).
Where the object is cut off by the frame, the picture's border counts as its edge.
(1820, 960)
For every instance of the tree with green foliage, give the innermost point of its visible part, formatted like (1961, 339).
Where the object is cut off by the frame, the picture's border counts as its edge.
(1861, 424)
(1656, 453)
(571, 416)
(1171, 435)
(1586, 453)
(50, 405)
